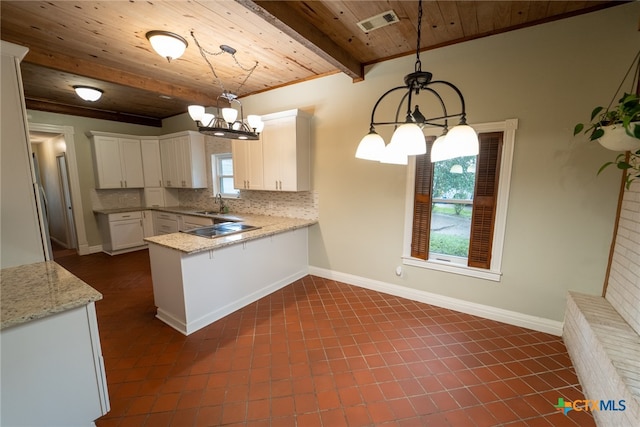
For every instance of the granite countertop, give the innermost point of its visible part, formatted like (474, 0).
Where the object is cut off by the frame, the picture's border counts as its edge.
(34, 291)
(269, 225)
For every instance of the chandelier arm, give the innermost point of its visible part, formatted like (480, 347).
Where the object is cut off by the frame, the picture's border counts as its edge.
(456, 90)
(373, 112)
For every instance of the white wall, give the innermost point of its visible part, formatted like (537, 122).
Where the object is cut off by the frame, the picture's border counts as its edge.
(560, 217)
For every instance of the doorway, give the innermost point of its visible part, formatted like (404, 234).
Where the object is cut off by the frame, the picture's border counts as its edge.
(52, 173)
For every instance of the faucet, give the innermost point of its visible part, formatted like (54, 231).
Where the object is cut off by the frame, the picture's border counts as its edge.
(221, 202)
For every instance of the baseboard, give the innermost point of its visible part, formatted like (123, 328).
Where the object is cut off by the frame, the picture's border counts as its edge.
(485, 311)
(88, 250)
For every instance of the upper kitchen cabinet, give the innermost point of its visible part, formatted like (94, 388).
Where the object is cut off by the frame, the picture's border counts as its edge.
(247, 165)
(117, 161)
(286, 151)
(183, 160)
(151, 163)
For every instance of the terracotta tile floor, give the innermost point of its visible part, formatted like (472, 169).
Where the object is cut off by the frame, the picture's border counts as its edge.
(321, 353)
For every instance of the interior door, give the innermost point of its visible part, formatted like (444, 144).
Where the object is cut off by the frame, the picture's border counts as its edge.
(70, 228)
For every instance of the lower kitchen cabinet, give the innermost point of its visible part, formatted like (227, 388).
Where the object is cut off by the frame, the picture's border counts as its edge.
(53, 371)
(121, 232)
(147, 224)
(192, 290)
(165, 223)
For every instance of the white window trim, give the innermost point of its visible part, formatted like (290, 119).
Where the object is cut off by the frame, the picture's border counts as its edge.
(508, 127)
(215, 184)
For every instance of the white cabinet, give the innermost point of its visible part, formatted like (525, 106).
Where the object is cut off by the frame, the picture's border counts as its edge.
(192, 290)
(183, 160)
(151, 163)
(247, 165)
(147, 224)
(286, 151)
(121, 232)
(117, 161)
(165, 223)
(53, 371)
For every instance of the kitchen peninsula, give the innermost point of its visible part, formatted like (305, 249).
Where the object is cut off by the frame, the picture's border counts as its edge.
(52, 365)
(198, 280)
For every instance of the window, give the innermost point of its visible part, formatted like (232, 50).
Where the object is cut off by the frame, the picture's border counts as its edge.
(222, 175)
(457, 211)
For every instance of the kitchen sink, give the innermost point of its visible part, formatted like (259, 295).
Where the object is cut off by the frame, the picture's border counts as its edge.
(219, 230)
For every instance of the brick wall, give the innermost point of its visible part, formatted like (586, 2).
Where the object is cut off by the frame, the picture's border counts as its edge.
(623, 291)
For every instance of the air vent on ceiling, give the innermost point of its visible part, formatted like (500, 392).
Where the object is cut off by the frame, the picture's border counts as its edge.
(378, 21)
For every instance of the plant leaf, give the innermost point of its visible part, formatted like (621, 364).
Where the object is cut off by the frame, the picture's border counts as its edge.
(578, 129)
(603, 167)
(624, 165)
(597, 133)
(595, 112)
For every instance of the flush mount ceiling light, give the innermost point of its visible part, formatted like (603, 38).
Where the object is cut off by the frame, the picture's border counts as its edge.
(226, 124)
(88, 93)
(408, 138)
(166, 44)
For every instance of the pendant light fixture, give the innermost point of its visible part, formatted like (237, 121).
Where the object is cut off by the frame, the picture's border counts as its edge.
(226, 124)
(408, 138)
(166, 44)
(88, 93)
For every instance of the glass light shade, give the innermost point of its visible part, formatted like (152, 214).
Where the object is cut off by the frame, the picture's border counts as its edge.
(394, 154)
(254, 121)
(88, 93)
(207, 119)
(456, 169)
(410, 139)
(196, 112)
(166, 44)
(260, 126)
(229, 114)
(440, 149)
(463, 140)
(371, 147)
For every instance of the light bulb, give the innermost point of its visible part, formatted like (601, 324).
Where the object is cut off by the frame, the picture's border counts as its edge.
(207, 119)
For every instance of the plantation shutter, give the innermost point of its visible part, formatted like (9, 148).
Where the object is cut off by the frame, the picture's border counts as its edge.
(422, 204)
(484, 200)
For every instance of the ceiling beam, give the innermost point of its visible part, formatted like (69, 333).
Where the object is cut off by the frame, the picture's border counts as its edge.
(290, 22)
(52, 107)
(104, 73)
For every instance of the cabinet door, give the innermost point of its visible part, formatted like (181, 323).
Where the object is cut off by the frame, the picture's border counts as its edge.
(240, 164)
(147, 223)
(192, 155)
(151, 164)
(279, 151)
(126, 234)
(247, 165)
(107, 162)
(131, 163)
(169, 163)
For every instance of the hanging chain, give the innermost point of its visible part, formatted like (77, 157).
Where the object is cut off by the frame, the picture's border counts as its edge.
(634, 81)
(418, 66)
(204, 53)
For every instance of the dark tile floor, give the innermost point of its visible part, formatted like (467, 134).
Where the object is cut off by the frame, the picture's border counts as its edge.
(320, 353)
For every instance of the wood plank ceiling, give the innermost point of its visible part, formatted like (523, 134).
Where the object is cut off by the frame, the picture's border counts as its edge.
(103, 44)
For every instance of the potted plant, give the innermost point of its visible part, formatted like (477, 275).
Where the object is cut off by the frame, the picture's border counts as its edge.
(618, 128)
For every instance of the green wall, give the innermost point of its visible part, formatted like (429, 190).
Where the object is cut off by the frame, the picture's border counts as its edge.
(560, 217)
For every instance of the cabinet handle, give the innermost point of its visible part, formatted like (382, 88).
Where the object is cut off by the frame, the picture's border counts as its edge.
(125, 184)
(126, 216)
(120, 184)
(159, 183)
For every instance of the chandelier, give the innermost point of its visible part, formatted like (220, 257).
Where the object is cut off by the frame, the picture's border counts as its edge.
(408, 138)
(226, 124)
